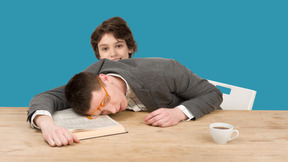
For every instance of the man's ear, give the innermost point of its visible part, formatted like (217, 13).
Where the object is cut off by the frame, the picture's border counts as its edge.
(105, 78)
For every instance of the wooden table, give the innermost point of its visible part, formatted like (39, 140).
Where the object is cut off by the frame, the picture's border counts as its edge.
(263, 137)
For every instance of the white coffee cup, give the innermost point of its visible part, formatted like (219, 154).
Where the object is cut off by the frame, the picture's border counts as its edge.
(222, 132)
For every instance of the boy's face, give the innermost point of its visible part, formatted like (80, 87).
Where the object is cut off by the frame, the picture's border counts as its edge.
(111, 48)
(117, 103)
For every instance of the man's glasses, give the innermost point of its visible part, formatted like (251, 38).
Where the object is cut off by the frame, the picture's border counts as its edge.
(104, 102)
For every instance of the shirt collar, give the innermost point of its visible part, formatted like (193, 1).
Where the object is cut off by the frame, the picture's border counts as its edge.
(119, 76)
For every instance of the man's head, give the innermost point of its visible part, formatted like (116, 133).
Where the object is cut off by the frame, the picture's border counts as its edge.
(85, 94)
(119, 29)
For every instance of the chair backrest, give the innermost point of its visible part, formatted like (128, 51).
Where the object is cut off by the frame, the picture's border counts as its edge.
(238, 98)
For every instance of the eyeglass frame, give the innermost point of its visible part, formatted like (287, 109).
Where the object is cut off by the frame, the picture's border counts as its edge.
(101, 103)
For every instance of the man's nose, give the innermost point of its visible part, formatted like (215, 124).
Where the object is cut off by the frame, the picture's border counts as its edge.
(113, 111)
(110, 109)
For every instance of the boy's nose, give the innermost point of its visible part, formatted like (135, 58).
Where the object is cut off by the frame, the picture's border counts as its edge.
(113, 53)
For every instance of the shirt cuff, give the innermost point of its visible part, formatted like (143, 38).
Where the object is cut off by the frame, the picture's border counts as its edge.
(38, 112)
(186, 112)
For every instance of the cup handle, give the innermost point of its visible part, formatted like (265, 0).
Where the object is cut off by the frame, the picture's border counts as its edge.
(235, 135)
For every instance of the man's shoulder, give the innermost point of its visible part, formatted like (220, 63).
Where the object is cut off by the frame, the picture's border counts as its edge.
(138, 63)
(152, 59)
(147, 60)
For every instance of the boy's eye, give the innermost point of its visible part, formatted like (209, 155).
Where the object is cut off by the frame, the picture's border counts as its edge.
(119, 46)
(104, 49)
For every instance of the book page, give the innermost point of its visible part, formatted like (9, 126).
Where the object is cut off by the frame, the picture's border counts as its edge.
(70, 120)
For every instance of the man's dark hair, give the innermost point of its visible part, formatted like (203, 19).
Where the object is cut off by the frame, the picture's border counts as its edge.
(119, 28)
(78, 91)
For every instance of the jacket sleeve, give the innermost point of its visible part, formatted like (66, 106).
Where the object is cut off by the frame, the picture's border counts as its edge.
(199, 96)
(52, 100)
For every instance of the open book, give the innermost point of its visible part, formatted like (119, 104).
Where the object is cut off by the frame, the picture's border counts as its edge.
(85, 128)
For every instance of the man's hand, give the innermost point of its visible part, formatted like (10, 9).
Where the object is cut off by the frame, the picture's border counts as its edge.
(53, 134)
(165, 117)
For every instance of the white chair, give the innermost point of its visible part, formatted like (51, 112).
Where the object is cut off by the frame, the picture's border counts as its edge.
(238, 98)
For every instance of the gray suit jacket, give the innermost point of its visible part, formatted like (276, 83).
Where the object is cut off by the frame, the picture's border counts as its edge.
(157, 82)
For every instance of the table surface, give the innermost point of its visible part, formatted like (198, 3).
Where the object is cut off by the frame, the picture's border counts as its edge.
(263, 137)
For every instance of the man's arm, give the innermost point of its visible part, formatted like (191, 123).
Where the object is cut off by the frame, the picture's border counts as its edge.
(199, 96)
(51, 101)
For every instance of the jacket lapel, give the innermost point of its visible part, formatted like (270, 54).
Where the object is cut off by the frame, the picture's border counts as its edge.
(140, 91)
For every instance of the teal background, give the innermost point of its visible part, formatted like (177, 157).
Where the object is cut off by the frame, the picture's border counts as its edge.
(243, 43)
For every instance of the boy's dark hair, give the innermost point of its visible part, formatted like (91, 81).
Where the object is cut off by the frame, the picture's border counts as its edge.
(119, 28)
(78, 91)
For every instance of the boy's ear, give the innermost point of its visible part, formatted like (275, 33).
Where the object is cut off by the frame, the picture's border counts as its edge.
(130, 51)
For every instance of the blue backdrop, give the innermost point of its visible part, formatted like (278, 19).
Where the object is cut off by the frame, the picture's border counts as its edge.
(243, 43)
